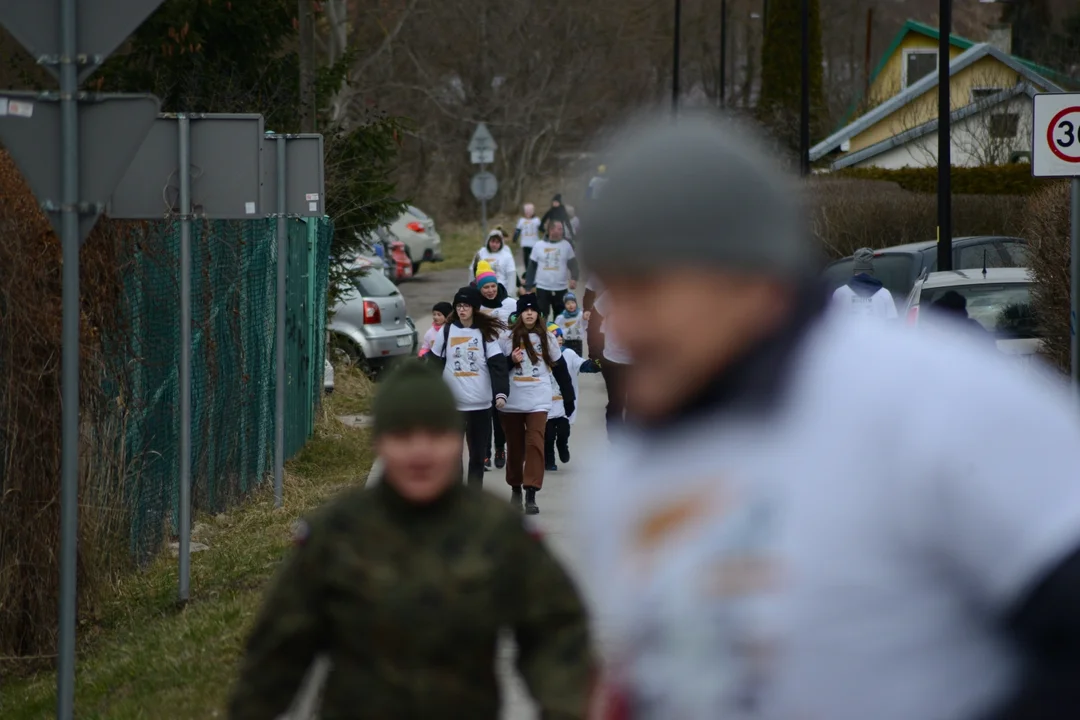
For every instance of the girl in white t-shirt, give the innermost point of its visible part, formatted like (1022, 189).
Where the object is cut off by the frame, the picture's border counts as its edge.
(557, 434)
(475, 369)
(528, 230)
(537, 366)
(614, 359)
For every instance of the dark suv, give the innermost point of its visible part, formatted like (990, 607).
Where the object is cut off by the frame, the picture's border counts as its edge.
(899, 267)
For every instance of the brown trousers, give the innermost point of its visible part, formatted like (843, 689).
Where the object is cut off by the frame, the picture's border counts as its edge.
(524, 448)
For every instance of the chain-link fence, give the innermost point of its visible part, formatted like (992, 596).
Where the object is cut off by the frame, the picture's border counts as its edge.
(232, 403)
(129, 465)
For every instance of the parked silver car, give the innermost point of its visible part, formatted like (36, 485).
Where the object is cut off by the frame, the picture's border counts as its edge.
(369, 326)
(998, 299)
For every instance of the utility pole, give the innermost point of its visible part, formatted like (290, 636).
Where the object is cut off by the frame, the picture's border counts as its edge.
(307, 66)
(723, 54)
(804, 114)
(944, 154)
(675, 59)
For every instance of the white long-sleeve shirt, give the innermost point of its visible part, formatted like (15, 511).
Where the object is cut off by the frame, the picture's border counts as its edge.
(849, 556)
(502, 263)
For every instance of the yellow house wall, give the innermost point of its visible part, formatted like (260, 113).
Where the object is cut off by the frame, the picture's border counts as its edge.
(986, 72)
(887, 83)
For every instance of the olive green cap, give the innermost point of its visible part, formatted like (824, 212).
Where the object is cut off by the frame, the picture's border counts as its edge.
(414, 397)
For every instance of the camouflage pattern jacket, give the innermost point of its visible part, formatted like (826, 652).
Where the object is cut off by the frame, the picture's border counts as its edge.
(407, 603)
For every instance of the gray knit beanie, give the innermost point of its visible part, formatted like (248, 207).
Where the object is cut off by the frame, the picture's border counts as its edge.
(698, 191)
(863, 261)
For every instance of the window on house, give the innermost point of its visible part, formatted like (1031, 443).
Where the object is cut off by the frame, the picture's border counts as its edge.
(1003, 126)
(918, 64)
(983, 93)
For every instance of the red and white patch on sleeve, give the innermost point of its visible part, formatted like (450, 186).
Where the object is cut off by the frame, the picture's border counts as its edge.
(533, 528)
(301, 532)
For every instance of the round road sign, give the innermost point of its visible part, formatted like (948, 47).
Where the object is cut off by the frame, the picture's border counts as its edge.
(1063, 134)
(484, 185)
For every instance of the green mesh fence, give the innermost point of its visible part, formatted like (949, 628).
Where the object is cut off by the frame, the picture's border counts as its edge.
(232, 362)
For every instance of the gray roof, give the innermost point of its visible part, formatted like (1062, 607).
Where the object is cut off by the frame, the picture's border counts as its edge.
(930, 126)
(915, 90)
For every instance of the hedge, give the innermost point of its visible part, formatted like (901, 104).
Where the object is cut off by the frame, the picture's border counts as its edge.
(1046, 227)
(1012, 179)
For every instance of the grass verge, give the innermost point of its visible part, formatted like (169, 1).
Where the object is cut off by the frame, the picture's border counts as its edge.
(461, 241)
(145, 657)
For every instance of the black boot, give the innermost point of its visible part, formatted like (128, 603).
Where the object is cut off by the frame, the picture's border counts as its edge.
(515, 497)
(531, 507)
(500, 458)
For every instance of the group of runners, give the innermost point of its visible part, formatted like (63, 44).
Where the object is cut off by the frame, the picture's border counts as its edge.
(513, 360)
(808, 516)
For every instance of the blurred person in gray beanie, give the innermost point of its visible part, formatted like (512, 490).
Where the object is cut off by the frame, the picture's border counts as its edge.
(863, 294)
(762, 542)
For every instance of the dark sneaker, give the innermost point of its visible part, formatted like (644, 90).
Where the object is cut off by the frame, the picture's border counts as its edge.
(551, 468)
(487, 463)
(564, 455)
(531, 508)
(500, 458)
(515, 498)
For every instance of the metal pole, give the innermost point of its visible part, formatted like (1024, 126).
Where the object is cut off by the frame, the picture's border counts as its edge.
(69, 458)
(483, 209)
(804, 112)
(279, 350)
(723, 54)
(675, 59)
(1075, 263)
(183, 125)
(944, 154)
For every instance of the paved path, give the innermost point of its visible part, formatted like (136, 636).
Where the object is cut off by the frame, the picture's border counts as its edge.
(556, 509)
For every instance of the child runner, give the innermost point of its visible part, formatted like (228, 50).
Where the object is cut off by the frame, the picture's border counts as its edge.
(613, 361)
(552, 271)
(528, 230)
(440, 313)
(572, 324)
(494, 301)
(557, 433)
(537, 366)
(499, 256)
(474, 367)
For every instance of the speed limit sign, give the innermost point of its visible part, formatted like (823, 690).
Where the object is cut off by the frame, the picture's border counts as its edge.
(1055, 137)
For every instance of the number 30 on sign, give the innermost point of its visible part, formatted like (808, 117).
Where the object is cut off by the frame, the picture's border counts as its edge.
(1055, 137)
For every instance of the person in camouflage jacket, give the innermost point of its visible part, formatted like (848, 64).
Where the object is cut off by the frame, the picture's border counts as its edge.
(405, 588)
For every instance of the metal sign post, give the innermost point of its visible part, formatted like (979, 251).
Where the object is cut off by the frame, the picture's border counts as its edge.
(294, 176)
(279, 349)
(1055, 152)
(482, 148)
(71, 38)
(183, 138)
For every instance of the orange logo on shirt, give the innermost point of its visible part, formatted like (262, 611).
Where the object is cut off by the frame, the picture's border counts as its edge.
(662, 522)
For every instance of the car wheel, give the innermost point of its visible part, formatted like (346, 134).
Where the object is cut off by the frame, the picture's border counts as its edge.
(346, 352)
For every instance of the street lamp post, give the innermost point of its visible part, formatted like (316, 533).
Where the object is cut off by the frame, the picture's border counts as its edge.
(944, 154)
(675, 59)
(723, 53)
(804, 114)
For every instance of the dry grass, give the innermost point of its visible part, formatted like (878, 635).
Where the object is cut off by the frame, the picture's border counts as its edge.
(147, 658)
(460, 241)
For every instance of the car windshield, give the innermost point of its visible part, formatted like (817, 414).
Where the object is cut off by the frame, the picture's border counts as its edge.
(417, 212)
(1001, 308)
(374, 283)
(894, 270)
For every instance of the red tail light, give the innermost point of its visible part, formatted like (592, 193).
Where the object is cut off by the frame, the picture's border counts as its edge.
(415, 227)
(372, 314)
(913, 315)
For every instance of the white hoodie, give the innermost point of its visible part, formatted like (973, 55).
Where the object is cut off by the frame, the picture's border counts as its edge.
(501, 262)
(848, 556)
